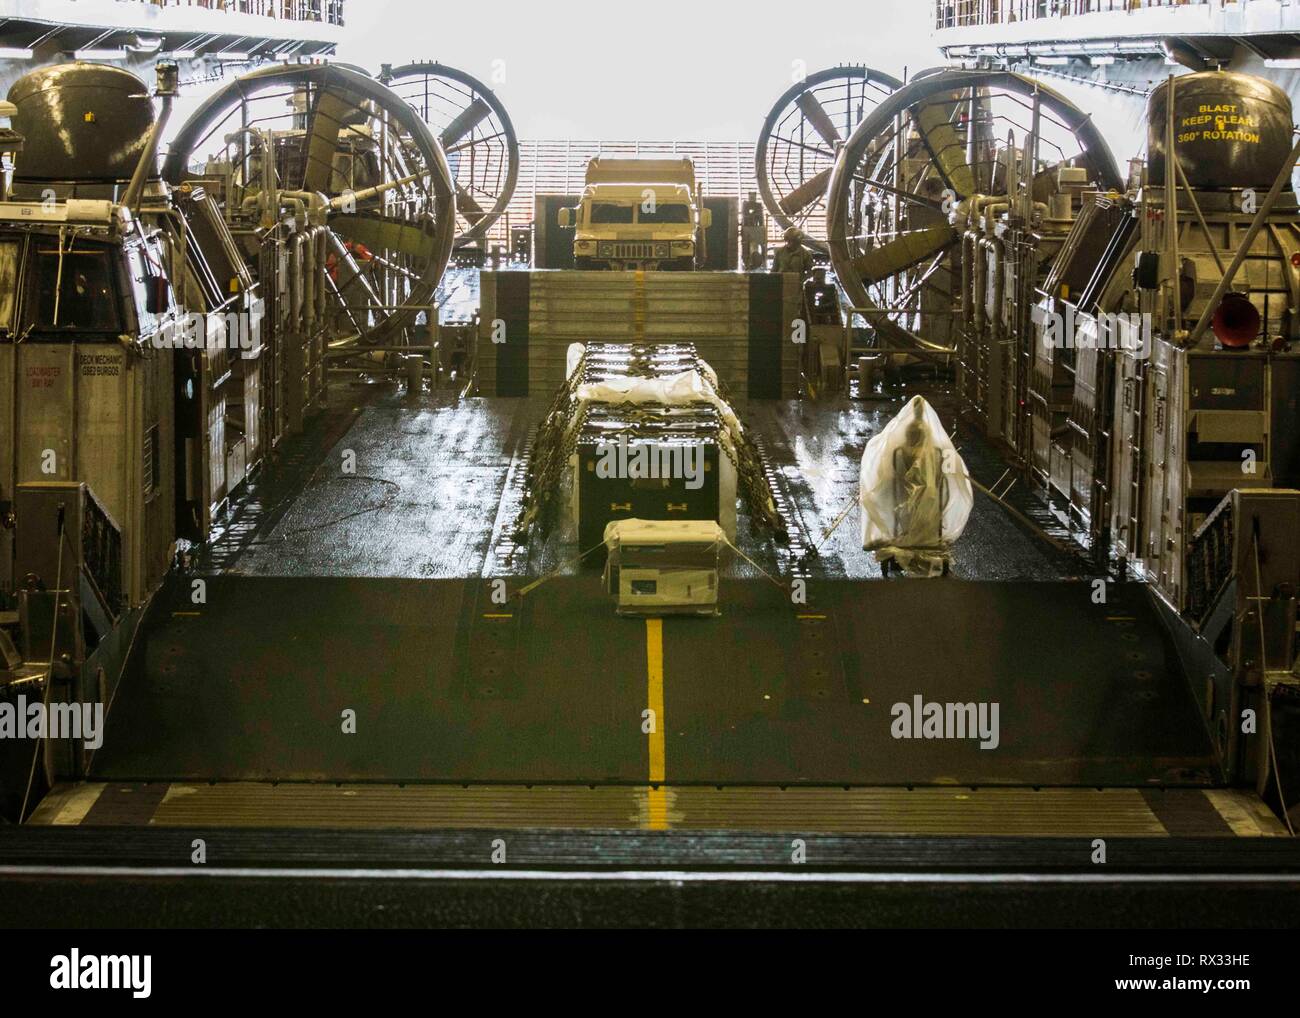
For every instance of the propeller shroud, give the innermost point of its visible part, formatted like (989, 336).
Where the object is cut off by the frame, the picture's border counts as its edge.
(937, 142)
(476, 134)
(359, 157)
(801, 138)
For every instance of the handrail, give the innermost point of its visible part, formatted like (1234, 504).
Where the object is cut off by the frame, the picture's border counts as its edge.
(966, 13)
(327, 12)
(1210, 560)
(101, 551)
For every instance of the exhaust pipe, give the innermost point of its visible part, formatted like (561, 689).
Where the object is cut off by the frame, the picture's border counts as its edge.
(168, 88)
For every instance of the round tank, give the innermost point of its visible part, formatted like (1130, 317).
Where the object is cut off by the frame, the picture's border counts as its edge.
(1231, 130)
(81, 122)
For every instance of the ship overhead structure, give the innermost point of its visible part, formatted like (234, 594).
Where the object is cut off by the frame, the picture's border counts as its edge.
(204, 39)
(1108, 55)
(1201, 32)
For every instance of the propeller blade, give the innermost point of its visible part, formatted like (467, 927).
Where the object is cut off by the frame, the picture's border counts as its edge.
(380, 234)
(468, 119)
(902, 254)
(471, 210)
(323, 138)
(821, 121)
(948, 151)
(806, 193)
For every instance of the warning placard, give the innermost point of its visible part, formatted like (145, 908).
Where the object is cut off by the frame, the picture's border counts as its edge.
(1224, 122)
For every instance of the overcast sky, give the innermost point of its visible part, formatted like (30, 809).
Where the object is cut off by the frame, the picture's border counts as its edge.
(689, 70)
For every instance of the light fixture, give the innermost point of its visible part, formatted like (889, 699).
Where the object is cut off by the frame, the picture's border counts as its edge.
(232, 56)
(14, 53)
(1282, 63)
(1052, 61)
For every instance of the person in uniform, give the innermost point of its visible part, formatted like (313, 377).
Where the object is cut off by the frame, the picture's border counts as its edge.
(794, 257)
(822, 299)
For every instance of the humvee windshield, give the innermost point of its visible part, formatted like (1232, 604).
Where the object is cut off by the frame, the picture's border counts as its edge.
(606, 214)
(666, 214)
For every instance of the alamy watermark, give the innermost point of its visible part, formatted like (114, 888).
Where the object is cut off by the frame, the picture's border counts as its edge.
(921, 720)
(77, 971)
(1120, 331)
(638, 461)
(40, 720)
(237, 331)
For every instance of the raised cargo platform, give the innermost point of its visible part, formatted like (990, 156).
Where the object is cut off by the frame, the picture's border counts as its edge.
(741, 324)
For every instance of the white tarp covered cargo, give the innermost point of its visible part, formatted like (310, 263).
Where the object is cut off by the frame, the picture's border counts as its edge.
(682, 389)
(573, 358)
(671, 390)
(657, 567)
(916, 493)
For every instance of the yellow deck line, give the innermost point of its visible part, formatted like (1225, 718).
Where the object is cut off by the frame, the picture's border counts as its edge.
(639, 307)
(654, 655)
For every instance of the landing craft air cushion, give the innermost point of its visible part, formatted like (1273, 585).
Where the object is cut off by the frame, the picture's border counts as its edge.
(306, 593)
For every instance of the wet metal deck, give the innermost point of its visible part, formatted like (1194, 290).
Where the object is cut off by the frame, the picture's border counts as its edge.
(367, 592)
(430, 493)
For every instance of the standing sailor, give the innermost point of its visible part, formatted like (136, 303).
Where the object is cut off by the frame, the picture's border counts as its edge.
(794, 257)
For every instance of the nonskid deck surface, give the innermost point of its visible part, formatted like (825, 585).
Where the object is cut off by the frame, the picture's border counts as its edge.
(1084, 813)
(264, 681)
(431, 485)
